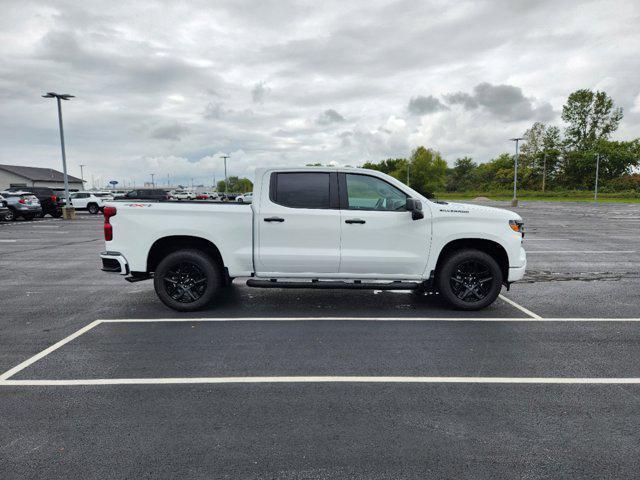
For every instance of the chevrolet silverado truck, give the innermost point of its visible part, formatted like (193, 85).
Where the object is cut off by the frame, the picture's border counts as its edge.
(316, 227)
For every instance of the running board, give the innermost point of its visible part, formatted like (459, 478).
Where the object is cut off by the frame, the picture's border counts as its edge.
(330, 284)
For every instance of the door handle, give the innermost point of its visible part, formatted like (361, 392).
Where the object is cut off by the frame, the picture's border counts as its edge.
(274, 219)
(355, 220)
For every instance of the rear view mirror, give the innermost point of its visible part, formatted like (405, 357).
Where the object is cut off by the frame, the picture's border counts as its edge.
(415, 207)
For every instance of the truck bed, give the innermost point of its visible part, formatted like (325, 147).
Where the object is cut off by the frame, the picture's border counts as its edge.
(137, 225)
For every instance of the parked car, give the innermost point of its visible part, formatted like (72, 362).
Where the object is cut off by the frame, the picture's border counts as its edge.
(22, 204)
(91, 201)
(118, 193)
(49, 200)
(245, 198)
(207, 196)
(4, 209)
(160, 194)
(318, 228)
(228, 197)
(183, 195)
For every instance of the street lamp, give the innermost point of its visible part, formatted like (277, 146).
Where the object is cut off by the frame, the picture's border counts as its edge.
(226, 182)
(58, 97)
(595, 194)
(82, 174)
(153, 184)
(514, 202)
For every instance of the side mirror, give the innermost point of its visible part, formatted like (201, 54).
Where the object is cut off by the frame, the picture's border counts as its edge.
(415, 207)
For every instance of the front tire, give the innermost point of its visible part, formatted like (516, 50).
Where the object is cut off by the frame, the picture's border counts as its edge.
(469, 279)
(93, 209)
(10, 216)
(187, 280)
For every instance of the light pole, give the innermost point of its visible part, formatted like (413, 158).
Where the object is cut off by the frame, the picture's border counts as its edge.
(226, 182)
(514, 202)
(58, 97)
(595, 194)
(82, 174)
(153, 184)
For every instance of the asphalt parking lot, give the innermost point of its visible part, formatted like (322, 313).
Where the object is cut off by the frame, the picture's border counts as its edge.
(99, 380)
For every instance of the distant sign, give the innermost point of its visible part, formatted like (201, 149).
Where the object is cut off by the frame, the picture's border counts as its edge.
(113, 182)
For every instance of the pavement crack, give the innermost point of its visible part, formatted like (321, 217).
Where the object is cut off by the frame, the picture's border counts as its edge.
(538, 276)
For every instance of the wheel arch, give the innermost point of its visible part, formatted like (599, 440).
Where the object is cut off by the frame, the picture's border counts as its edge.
(490, 247)
(166, 245)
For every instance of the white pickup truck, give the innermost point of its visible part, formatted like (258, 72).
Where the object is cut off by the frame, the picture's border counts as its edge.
(317, 228)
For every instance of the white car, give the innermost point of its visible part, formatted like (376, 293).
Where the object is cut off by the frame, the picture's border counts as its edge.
(91, 201)
(317, 228)
(183, 195)
(245, 197)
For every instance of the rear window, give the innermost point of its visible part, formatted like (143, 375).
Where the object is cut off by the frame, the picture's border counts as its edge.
(302, 190)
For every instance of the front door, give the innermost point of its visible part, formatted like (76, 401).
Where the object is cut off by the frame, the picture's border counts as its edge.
(298, 225)
(379, 237)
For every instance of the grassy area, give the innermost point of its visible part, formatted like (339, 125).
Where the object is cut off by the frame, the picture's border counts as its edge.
(566, 196)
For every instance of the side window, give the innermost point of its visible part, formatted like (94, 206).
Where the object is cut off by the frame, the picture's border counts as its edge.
(132, 194)
(370, 193)
(302, 190)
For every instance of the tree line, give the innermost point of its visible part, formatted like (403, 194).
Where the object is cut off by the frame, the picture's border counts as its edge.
(550, 159)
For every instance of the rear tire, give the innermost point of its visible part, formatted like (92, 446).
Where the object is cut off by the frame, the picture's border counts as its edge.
(28, 216)
(469, 279)
(187, 280)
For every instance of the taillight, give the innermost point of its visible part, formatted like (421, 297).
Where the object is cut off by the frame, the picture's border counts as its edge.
(108, 229)
(54, 199)
(22, 201)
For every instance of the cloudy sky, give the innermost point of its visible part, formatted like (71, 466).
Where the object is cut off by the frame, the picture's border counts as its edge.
(169, 88)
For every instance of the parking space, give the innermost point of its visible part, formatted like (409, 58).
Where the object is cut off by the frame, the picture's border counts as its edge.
(100, 380)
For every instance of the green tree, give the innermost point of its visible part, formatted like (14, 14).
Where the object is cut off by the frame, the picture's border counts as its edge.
(427, 171)
(461, 177)
(591, 117)
(236, 185)
(388, 166)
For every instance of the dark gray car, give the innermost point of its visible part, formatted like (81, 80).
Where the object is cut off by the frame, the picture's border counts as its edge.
(22, 204)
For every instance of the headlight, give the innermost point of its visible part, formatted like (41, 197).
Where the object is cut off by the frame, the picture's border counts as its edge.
(517, 226)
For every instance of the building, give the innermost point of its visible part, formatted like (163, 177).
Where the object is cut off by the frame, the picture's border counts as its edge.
(19, 176)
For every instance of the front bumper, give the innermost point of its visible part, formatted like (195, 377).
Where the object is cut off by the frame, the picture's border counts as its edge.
(114, 262)
(517, 273)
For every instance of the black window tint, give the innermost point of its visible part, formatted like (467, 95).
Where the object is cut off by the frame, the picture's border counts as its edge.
(303, 190)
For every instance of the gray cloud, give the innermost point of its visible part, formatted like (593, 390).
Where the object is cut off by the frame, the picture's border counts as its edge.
(330, 116)
(424, 105)
(504, 101)
(260, 92)
(171, 131)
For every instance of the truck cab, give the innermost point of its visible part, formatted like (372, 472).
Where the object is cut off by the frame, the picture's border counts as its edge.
(318, 227)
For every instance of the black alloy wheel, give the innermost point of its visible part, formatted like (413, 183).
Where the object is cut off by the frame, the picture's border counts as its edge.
(469, 279)
(185, 283)
(188, 280)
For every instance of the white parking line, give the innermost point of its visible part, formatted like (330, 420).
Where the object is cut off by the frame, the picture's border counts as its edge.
(520, 307)
(581, 251)
(7, 241)
(5, 377)
(324, 379)
(47, 351)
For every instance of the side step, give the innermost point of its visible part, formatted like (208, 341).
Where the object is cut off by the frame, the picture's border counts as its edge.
(333, 284)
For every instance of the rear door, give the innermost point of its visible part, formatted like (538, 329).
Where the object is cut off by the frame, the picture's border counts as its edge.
(379, 237)
(298, 225)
